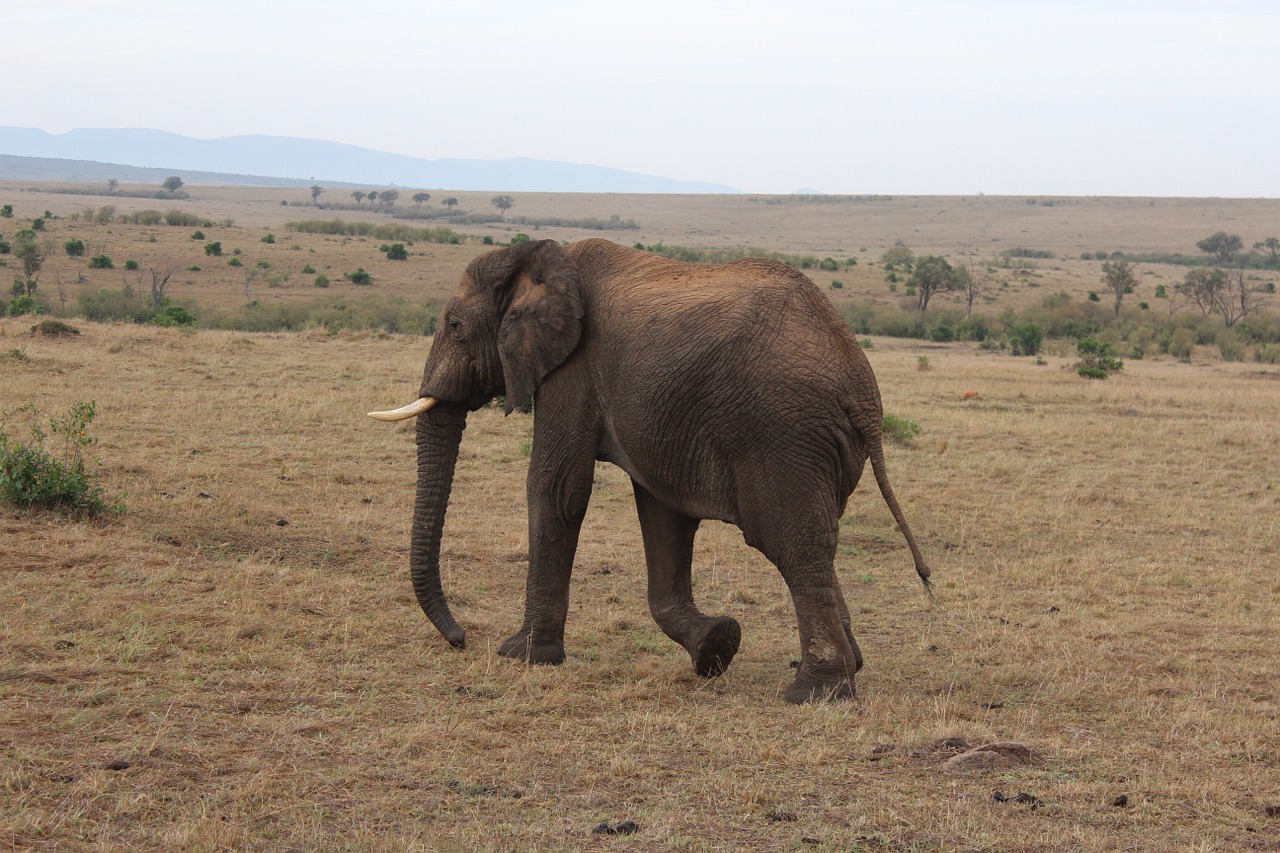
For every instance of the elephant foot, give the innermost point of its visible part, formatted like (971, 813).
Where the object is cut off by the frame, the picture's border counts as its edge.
(714, 652)
(523, 647)
(805, 689)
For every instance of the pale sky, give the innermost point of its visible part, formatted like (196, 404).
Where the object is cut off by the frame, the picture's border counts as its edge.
(1128, 97)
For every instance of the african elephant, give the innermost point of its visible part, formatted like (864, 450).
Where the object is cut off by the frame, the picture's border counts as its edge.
(731, 391)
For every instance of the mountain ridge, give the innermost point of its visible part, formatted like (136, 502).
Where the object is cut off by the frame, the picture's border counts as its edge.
(298, 159)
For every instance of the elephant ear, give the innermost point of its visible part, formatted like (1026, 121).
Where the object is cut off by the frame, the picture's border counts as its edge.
(543, 320)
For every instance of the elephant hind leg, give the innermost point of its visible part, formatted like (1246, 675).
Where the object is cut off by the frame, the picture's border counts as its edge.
(803, 549)
(711, 641)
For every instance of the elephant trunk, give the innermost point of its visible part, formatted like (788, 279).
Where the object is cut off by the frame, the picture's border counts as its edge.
(439, 435)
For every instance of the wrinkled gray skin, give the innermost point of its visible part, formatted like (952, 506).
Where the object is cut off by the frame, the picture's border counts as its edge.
(732, 392)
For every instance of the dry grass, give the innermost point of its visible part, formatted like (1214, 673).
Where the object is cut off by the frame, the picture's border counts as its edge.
(1105, 558)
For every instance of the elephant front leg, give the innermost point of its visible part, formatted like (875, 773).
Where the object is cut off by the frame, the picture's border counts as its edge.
(711, 641)
(557, 506)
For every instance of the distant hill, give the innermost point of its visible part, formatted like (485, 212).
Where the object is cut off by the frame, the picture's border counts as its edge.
(88, 154)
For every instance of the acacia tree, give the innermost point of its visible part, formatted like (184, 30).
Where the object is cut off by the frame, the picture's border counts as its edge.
(1202, 286)
(373, 196)
(419, 198)
(1120, 279)
(1222, 244)
(451, 202)
(358, 195)
(503, 203)
(316, 189)
(112, 184)
(388, 197)
(1271, 246)
(932, 275)
(172, 184)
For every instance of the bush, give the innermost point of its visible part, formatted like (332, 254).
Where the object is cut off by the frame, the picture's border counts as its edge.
(235, 262)
(828, 265)
(74, 248)
(24, 304)
(100, 262)
(5, 247)
(1095, 359)
(131, 265)
(360, 277)
(899, 430)
(1182, 344)
(120, 305)
(174, 315)
(197, 235)
(270, 238)
(1025, 339)
(395, 251)
(322, 281)
(213, 250)
(308, 270)
(32, 479)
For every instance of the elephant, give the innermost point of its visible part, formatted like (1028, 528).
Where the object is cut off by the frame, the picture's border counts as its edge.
(730, 391)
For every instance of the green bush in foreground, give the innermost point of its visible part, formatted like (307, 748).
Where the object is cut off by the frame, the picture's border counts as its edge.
(899, 430)
(31, 478)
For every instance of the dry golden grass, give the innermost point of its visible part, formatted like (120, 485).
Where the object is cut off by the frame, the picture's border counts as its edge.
(1105, 559)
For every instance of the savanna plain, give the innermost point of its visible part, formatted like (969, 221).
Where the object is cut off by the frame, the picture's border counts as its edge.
(233, 659)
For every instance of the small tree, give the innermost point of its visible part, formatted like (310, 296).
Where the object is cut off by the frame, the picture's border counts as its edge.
(1235, 299)
(1271, 246)
(1221, 244)
(31, 256)
(450, 202)
(503, 203)
(6, 211)
(1120, 279)
(316, 189)
(419, 198)
(373, 196)
(974, 282)
(358, 195)
(388, 197)
(172, 184)
(112, 185)
(1201, 286)
(932, 275)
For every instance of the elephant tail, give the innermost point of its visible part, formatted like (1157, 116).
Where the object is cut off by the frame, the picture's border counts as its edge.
(875, 448)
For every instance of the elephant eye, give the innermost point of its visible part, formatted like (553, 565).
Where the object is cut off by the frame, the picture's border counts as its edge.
(455, 327)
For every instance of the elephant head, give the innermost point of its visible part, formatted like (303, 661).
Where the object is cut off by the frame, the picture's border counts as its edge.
(515, 316)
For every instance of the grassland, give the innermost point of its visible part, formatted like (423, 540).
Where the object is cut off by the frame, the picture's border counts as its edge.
(241, 644)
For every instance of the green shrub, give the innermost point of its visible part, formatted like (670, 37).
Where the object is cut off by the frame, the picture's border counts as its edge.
(174, 315)
(828, 265)
(131, 265)
(213, 250)
(1232, 348)
(1182, 344)
(308, 270)
(837, 284)
(322, 281)
(197, 235)
(899, 430)
(235, 262)
(360, 277)
(119, 305)
(270, 238)
(100, 262)
(5, 247)
(74, 248)
(1267, 354)
(33, 479)
(24, 304)
(1096, 361)
(519, 238)
(1025, 339)
(395, 251)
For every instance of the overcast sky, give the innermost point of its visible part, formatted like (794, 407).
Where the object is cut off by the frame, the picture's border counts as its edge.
(1114, 97)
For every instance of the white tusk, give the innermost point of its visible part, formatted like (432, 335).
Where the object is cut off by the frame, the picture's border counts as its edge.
(415, 408)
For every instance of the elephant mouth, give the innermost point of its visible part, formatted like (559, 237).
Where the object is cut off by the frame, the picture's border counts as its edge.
(412, 410)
